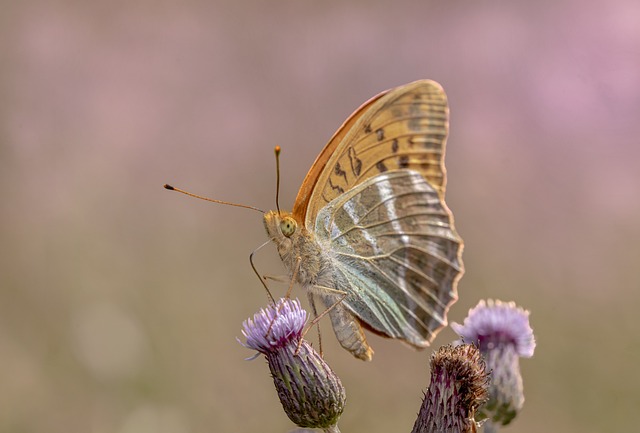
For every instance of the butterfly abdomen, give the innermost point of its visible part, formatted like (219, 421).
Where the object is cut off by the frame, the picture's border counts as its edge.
(347, 328)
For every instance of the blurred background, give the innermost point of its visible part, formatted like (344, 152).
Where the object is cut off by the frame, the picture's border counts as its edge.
(120, 302)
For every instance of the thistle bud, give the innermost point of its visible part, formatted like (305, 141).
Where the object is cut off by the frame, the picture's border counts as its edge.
(503, 334)
(311, 394)
(459, 384)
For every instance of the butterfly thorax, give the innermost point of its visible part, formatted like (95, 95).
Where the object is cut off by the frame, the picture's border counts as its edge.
(294, 241)
(298, 248)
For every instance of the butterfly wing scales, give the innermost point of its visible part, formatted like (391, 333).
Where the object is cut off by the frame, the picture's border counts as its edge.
(305, 193)
(396, 254)
(403, 128)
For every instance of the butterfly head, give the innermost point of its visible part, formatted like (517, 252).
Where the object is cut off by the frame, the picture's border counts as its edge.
(283, 229)
(280, 225)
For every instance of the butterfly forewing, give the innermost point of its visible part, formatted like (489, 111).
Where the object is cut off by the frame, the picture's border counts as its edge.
(404, 128)
(395, 253)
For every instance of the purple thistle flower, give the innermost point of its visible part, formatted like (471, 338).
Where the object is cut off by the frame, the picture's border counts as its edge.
(311, 394)
(503, 334)
(458, 387)
(275, 326)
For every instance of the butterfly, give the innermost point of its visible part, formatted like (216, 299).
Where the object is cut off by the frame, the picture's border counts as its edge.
(370, 234)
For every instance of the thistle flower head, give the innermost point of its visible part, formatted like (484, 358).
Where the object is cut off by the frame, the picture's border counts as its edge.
(275, 326)
(493, 323)
(458, 387)
(310, 393)
(503, 334)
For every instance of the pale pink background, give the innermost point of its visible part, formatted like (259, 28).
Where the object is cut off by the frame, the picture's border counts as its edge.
(120, 302)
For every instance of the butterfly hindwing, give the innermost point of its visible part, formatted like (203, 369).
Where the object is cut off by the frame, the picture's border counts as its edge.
(395, 253)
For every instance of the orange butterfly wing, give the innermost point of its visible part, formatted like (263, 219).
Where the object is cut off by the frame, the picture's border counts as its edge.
(405, 127)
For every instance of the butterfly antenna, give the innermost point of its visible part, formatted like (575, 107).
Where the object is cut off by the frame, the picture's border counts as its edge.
(253, 266)
(277, 152)
(172, 188)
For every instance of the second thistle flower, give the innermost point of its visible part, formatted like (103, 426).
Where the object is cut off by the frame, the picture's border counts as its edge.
(458, 388)
(503, 334)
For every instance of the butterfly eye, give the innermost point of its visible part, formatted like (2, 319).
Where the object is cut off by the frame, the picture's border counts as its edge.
(288, 226)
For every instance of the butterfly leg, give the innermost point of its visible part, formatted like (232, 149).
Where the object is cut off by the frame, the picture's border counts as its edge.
(294, 276)
(317, 318)
(288, 294)
(315, 321)
(291, 279)
(345, 325)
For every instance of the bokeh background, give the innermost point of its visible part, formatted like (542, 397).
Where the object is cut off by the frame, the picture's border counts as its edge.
(120, 302)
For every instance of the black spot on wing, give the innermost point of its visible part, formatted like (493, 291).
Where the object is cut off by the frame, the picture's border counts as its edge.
(403, 161)
(340, 172)
(356, 163)
(394, 145)
(381, 167)
(380, 134)
(336, 187)
(425, 165)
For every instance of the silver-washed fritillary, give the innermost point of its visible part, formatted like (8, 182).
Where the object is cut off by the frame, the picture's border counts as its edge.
(370, 222)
